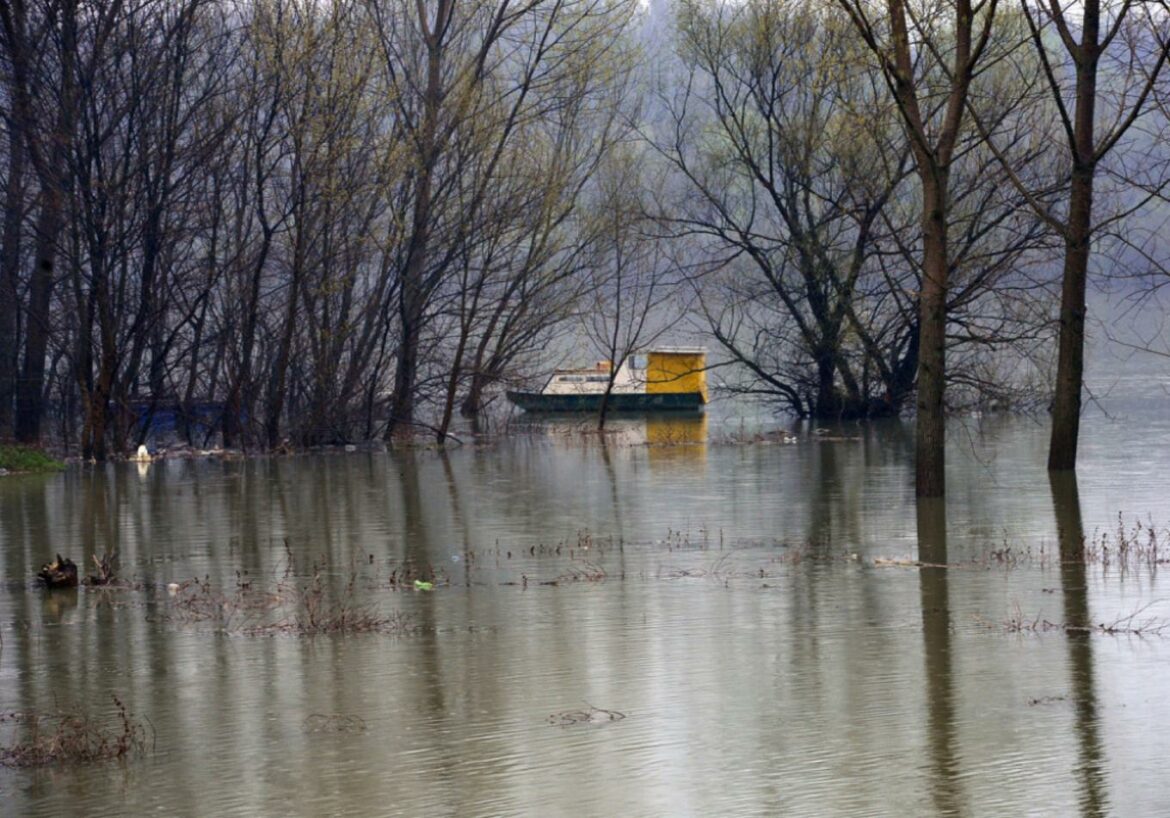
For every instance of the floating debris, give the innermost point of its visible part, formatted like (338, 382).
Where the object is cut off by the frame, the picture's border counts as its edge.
(594, 715)
(62, 573)
(106, 572)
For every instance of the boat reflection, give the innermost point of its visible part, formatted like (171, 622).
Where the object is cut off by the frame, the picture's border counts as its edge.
(669, 437)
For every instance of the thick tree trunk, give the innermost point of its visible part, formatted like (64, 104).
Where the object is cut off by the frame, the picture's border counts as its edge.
(414, 290)
(410, 309)
(30, 388)
(236, 404)
(472, 403)
(930, 458)
(405, 376)
(9, 274)
(1069, 528)
(1070, 365)
(53, 174)
(94, 443)
(828, 402)
(100, 393)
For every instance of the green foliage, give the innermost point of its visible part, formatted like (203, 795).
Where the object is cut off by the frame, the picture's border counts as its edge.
(27, 459)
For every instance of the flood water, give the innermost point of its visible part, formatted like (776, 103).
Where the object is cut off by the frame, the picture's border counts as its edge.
(730, 631)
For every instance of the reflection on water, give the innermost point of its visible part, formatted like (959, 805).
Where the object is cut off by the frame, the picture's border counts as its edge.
(1074, 590)
(946, 787)
(751, 609)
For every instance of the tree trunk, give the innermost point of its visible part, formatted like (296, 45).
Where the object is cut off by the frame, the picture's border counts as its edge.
(828, 404)
(52, 172)
(413, 293)
(9, 275)
(402, 401)
(30, 388)
(482, 373)
(410, 310)
(473, 401)
(603, 411)
(98, 420)
(452, 387)
(235, 404)
(931, 423)
(1070, 365)
(280, 369)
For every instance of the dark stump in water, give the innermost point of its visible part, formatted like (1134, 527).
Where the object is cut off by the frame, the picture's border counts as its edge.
(59, 574)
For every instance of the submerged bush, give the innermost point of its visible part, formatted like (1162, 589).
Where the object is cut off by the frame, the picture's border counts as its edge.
(27, 459)
(299, 607)
(33, 739)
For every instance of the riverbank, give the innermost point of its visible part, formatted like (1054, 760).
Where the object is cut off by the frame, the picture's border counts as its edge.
(26, 460)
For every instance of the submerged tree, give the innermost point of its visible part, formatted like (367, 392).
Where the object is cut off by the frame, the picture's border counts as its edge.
(933, 115)
(783, 131)
(806, 222)
(463, 80)
(633, 295)
(1117, 50)
(41, 50)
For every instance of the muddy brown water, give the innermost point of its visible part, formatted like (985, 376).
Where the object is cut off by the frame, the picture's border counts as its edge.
(744, 613)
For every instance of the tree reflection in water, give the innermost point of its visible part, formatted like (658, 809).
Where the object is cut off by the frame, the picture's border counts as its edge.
(1071, 534)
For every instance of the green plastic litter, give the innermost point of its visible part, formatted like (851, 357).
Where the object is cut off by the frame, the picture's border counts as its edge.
(419, 585)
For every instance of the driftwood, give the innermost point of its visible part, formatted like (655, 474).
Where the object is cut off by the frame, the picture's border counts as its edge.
(61, 573)
(106, 573)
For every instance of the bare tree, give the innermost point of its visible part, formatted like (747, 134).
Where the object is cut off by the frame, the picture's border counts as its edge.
(633, 298)
(934, 121)
(11, 257)
(471, 71)
(783, 131)
(138, 152)
(1125, 44)
(807, 227)
(42, 54)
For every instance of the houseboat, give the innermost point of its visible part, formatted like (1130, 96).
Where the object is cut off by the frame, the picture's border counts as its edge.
(659, 379)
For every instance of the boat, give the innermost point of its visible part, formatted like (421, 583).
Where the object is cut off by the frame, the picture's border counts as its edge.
(658, 379)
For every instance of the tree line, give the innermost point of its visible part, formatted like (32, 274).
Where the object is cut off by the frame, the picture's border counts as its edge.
(314, 222)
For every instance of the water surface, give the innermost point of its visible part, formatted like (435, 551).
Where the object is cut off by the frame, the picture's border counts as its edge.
(733, 602)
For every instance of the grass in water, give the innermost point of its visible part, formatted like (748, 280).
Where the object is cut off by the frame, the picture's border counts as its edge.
(27, 459)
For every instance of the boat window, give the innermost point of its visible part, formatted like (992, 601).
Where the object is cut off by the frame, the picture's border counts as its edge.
(598, 379)
(570, 379)
(638, 362)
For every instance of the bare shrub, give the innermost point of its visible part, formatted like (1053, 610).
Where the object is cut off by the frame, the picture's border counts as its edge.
(1129, 547)
(37, 739)
(1133, 624)
(291, 606)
